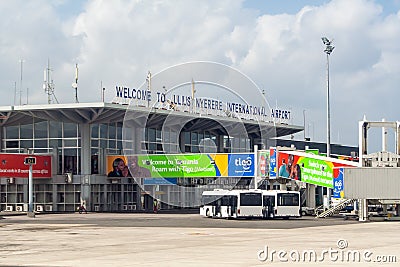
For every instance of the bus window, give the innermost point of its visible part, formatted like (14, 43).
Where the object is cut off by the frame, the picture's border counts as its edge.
(288, 199)
(250, 199)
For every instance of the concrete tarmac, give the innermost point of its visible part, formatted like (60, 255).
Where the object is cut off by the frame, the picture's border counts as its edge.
(98, 239)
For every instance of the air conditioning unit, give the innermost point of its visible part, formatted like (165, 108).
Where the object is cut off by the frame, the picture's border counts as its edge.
(49, 207)
(96, 208)
(125, 207)
(9, 208)
(19, 208)
(132, 207)
(39, 208)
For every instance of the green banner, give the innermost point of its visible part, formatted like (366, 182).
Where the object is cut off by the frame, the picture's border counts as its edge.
(315, 171)
(199, 165)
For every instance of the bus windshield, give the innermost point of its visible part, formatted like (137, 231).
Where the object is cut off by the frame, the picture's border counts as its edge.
(288, 199)
(250, 199)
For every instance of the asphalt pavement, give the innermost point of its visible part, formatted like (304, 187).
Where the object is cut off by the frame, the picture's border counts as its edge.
(109, 239)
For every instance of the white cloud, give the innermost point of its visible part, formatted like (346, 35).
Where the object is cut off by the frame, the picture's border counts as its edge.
(117, 42)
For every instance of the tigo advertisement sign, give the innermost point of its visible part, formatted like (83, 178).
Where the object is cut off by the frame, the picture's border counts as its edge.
(272, 163)
(241, 165)
(338, 183)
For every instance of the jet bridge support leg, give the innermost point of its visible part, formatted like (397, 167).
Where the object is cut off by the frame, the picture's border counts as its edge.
(363, 210)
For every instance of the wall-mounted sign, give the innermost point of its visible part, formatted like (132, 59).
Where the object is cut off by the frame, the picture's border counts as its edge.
(17, 165)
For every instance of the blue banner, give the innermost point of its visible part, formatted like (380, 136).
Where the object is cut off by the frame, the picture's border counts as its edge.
(272, 163)
(338, 185)
(241, 165)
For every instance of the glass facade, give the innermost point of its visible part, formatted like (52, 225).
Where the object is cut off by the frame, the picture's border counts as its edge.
(64, 141)
(46, 137)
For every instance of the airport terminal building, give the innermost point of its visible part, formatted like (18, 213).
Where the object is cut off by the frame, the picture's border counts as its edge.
(79, 138)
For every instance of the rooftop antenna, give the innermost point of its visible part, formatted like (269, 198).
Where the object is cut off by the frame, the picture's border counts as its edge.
(20, 86)
(103, 89)
(48, 84)
(75, 84)
(148, 81)
(15, 91)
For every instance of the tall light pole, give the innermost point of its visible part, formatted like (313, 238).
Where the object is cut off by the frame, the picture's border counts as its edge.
(328, 50)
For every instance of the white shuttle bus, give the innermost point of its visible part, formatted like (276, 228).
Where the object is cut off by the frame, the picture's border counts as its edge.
(266, 204)
(232, 203)
(214, 203)
(281, 204)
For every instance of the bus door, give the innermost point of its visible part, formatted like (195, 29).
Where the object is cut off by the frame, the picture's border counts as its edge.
(233, 205)
(217, 207)
(268, 206)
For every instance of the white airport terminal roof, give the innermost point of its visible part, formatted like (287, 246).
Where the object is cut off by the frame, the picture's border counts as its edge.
(100, 112)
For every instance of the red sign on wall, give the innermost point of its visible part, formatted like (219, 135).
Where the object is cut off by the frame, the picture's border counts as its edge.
(13, 165)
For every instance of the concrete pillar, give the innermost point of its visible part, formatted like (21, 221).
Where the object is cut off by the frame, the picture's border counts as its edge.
(137, 137)
(282, 186)
(220, 143)
(363, 210)
(85, 164)
(1, 137)
(310, 196)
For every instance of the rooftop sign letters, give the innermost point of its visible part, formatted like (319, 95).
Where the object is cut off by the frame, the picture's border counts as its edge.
(124, 95)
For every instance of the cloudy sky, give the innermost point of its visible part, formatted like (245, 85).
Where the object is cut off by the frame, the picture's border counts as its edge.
(276, 43)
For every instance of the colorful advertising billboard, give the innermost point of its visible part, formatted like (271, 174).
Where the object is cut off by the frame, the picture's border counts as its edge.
(181, 165)
(309, 168)
(338, 183)
(12, 165)
(263, 163)
(272, 163)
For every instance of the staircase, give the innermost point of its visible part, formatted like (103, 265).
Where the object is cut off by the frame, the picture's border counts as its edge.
(332, 210)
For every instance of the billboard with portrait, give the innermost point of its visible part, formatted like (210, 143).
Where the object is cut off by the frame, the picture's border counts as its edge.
(263, 163)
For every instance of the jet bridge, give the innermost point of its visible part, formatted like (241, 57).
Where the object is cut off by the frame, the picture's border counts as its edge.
(378, 177)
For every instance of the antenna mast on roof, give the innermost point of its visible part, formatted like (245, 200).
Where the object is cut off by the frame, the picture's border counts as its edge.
(75, 84)
(148, 81)
(48, 84)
